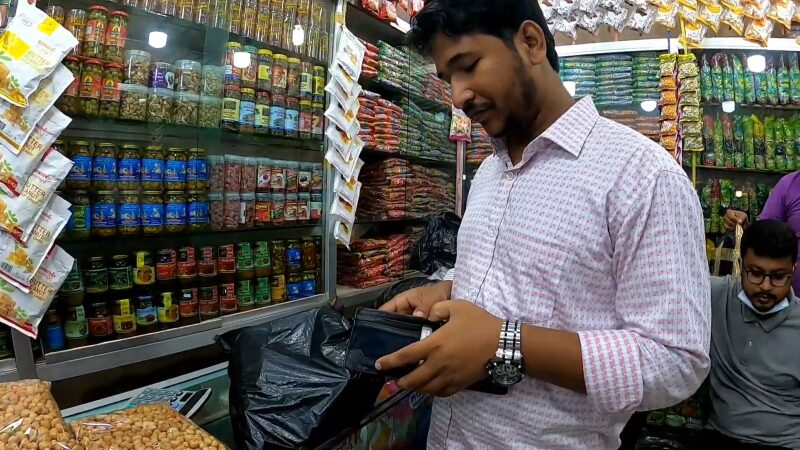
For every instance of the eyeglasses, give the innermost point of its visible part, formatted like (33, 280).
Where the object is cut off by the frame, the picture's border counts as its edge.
(776, 279)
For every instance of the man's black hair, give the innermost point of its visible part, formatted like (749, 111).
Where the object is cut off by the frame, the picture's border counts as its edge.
(500, 18)
(770, 239)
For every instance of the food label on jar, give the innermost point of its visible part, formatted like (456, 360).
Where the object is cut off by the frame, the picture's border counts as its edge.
(74, 88)
(278, 77)
(293, 290)
(187, 262)
(91, 85)
(316, 210)
(278, 288)
(197, 169)
(146, 316)
(167, 311)
(305, 122)
(261, 257)
(308, 288)
(111, 91)
(176, 214)
(152, 214)
(263, 295)
(104, 169)
(74, 281)
(129, 169)
(161, 77)
(125, 321)
(129, 215)
(264, 211)
(265, 74)
(277, 118)
(319, 86)
(226, 258)
(101, 326)
(76, 326)
(230, 109)
(306, 83)
(167, 266)
(95, 31)
(104, 215)
(152, 170)
(120, 278)
(117, 34)
(209, 301)
(250, 73)
(262, 117)
(198, 213)
(80, 220)
(227, 298)
(244, 257)
(294, 258)
(190, 304)
(317, 125)
(244, 293)
(292, 120)
(208, 261)
(247, 115)
(175, 172)
(96, 281)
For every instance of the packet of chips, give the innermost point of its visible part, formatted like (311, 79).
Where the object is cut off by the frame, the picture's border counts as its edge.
(669, 127)
(687, 66)
(665, 15)
(669, 112)
(691, 113)
(782, 12)
(30, 49)
(616, 20)
(565, 8)
(689, 85)
(689, 98)
(689, 15)
(565, 26)
(590, 22)
(667, 64)
(691, 128)
(710, 16)
(642, 19)
(739, 83)
(734, 18)
(756, 9)
(733, 4)
(669, 83)
(669, 142)
(694, 35)
(669, 97)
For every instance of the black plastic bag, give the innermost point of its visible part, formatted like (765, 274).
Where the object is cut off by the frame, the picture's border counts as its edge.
(289, 387)
(436, 248)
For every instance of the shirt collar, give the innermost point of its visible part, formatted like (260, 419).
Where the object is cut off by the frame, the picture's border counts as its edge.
(768, 323)
(569, 132)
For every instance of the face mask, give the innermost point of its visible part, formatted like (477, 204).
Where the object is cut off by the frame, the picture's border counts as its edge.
(775, 309)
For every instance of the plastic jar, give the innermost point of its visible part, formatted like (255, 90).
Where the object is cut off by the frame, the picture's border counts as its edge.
(249, 18)
(303, 207)
(116, 37)
(276, 24)
(75, 23)
(184, 108)
(129, 213)
(233, 173)
(133, 102)
(293, 78)
(278, 256)
(175, 169)
(233, 74)
(262, 112)
(216, 173)
(292, 122)
(250, 73)
(261, 259)
(70, 102)
(264, 82)
(263, 209)
(294, 286)
(316, 178)
(176, 212)
(235, 16)
(277, 115)
(280, 66)
(188, 76)
(319, 84)
(247, 218)
(110, 94)
(56, 12)
(137, 67)
(315, 208)
(317, 120)
(159, 105)
(290, 209)
(198, 210)
(305, 122)
(201, 11)
(104, 166)
(263, 21)
(95, 275)
(104, 215)
(304, 177)
(232, 212)
(306, 81)
(216, 211)
(277, 182)
(91, 87)
(278, 209)
(247, 110)
(209, 111)
(80, 222)
(162, 75)
(152, 213)
(263, 174)
(168, 7)
(80, 176)
(213, 81)
(197, 170)
(129, 167)
(94, 36)
(152, 169)
(249, 174)
(292, 172)
(230, 107)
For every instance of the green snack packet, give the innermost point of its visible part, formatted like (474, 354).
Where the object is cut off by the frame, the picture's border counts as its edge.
(748, 142)
(769, 141)
(739, 203)
(728, 145)
(772, 82)
(727, 79)
(759, 143)
(738, 143)
(705, 203)
(794, 78)
(784, 82)
(781, 162)
(716, 78)
(739, 86)
(788, 143)
(716, 204)
(706, 83)
(727, 189)
(719, 150)
(749, 87)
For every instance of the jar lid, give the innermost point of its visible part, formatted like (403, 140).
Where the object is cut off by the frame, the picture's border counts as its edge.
(251, 49)
(250, 91)
(280, 56)
(84, 143)
(137, 88)
(153, 147)
(98, 8)
(322, 68)
(152, 192)
(129, 192)
(197, 150)
(137, 53)
(113, 65)
(119, 13)
(130, 146)
(194, 192)
(305, 103)
(72, 58)
(106, 144)
(94, 62)
(119, 257)
(81, 192)
(233, 45)
(187, 64)
(317, 105)
(174, 192)
(265, 52)
(105, 192)
(177, 149)
(294, 60)
(96, 258)
(160, 64)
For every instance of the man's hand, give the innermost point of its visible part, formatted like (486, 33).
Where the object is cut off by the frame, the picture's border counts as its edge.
(733, 218)
(419, 301)
(455, 356)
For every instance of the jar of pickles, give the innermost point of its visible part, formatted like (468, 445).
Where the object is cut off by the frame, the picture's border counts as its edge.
(104, 215)
(110, 95)
(280, 66)
(264, 82)
(104, 166)
(80, 176)
(116, 36)
(292, 123)
(176, 212)
(230, 107)
(94, 37)
(293, 78)
(152, 213)
(250, 73)
(317, 120)
(129, 213)
(247, 111)
(152, 169)
(306, 81)
(319, 84)
(305, 122)
(70, 102)
(137, 67)
(91, 87)
(175, 169)
(80, 223)
(198, 210)
(197, 170)
(54, 11)
(262, 112)
(129, 167)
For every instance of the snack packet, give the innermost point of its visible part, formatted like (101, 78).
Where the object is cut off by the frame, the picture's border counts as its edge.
(665, 15)
(706, 80)
(642, 19)
(15, 169)
(17, 123)
(343, 233)
(782, 12)
(734, 18)
(344, 210)
(460, 126)
(30, 49)
(590, 22)
(756, 9)
(695, 33)
(19, 262)
(25, 311)
(565, 8)
(20, 214)
(759, 142)
(783, 81)
(341, 117)
(32, 418)
(566, 27)
(711, 15)
(733, 4)
(350, 52)
(667, 63)
(739, 82)
(687, 65)
(351, 191)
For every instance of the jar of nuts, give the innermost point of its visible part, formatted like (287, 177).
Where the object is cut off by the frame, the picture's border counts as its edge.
(216, 208)
(110, 95)
(137, 67)
(188, 75)
(184, 109)
(91, 87)
(213, 77)
(133, 102)
(209, 111)
(232, 211)
(116, 36)
(159, 105)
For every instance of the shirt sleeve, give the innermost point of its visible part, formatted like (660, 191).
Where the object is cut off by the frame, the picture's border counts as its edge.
(775, 207)
(659, 355)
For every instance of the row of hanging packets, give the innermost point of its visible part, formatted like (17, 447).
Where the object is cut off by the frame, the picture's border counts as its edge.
(342, 132)
(32, 268)
(566, 16)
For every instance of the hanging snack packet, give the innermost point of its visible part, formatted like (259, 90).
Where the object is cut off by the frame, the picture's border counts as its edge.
(17, 123)
(642, 20)
(350, 53)
(734, 18)
(693, 144)
(667, 64)
(782, 12)
(689, 98)
(718, 143)
(759, 142)
(783, 80)
(695, 33)
(20, 214)
(760, 87)
(706, 81)
(566, 27)
(727, 79)
(794, 78)
(589, 22)
(687, 66)
(25, 311)
(343, 233)
(690, 15)
(19, 262)
(460, 126)
(341, 117)
(565, 8)
(739, 84)
(738, 136)
(669, 127)
(749, 142)
(15, 169)
(344, 210)
(669, 112)
(689, 85)
(691, 113)
(733, 4)
(759, 31)
(691, 129)
(30, 49)
(769, 141)
(669, 97)
(669, 83)
(612, 5)
(588, 6)
(665, 15)
(788, 143)
(781, 162)
(772, 82)
(756, 9)
(711, 15)
(716, 78)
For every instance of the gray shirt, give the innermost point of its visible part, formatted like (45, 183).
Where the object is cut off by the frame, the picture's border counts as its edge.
(755, 369)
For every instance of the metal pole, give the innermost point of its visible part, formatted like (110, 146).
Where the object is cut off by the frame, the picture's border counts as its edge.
(23, 351)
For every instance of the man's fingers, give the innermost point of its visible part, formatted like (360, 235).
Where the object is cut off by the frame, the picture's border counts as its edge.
(409, 356)
(440, 312)
(418, 379)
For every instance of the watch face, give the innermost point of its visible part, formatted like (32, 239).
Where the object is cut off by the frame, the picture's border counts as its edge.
(506, 374)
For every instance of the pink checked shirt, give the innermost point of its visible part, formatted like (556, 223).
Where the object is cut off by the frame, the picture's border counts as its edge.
(597, 231)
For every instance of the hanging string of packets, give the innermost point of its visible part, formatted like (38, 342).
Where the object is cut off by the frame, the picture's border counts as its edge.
(681, 113)
(342, 132)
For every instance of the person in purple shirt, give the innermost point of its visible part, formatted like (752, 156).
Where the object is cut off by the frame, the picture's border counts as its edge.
(783, 204)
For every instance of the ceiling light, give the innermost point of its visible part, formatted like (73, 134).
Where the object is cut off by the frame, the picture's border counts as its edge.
(298, 35)
(649, 105)
(570, 87)
(739, 194)
(729, 106)
(756, 63)
(241, 60)
(157, 39)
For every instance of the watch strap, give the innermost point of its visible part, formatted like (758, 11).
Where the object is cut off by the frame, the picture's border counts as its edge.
(509, 350)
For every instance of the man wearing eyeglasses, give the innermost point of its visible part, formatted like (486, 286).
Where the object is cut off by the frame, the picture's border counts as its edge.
(755, 398)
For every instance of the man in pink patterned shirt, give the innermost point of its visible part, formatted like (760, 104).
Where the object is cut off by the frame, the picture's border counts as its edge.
(581, 257)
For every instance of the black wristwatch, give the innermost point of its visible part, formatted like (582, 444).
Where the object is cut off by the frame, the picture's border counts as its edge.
(506, 368)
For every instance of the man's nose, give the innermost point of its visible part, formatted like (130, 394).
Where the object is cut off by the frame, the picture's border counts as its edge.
(462, 96)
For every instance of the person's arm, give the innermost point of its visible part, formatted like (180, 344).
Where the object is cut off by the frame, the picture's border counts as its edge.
(775, 208)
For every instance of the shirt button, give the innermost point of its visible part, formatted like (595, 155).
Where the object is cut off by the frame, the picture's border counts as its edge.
(510, 176)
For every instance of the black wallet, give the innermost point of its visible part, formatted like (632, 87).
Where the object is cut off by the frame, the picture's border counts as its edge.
(376, 334)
